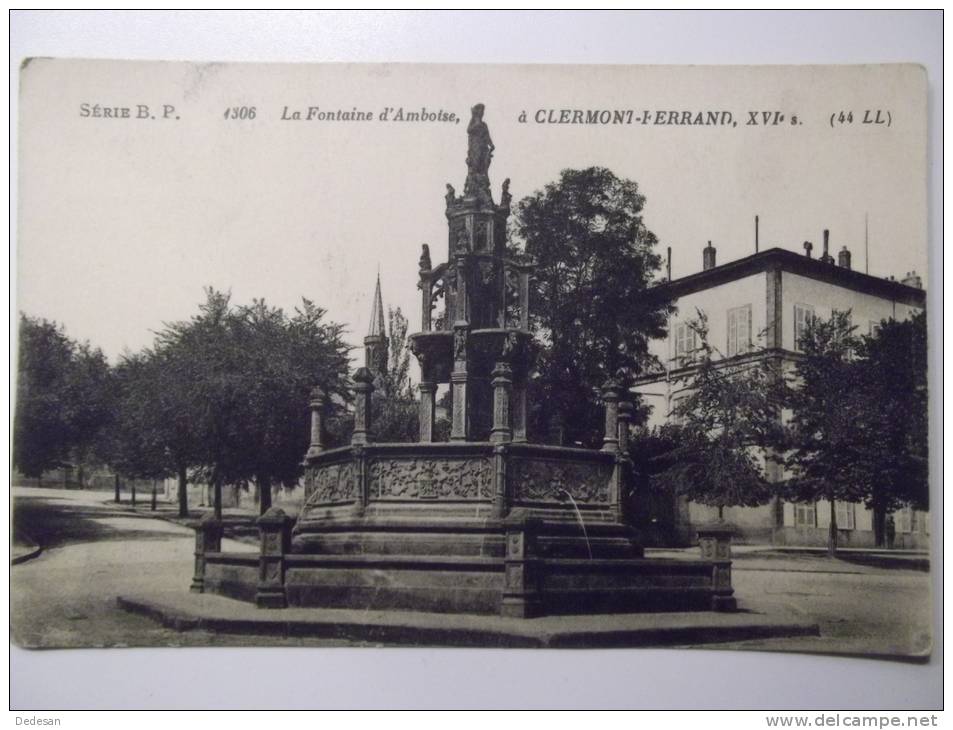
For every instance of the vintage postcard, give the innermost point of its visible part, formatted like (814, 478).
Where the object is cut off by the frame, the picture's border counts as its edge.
(462, 355)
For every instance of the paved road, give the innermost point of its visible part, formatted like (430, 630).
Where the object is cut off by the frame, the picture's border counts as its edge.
(94, 551)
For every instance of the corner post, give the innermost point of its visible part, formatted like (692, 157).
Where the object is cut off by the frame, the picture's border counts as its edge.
(521, 597)
(274, 530)
(428, 391)
(316, 405)
(363, 388)
(610, 396)
(715, 544)
(208, 539)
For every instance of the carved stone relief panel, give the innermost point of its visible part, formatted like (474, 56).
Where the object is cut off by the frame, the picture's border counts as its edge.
(551, 480)
(431, 478)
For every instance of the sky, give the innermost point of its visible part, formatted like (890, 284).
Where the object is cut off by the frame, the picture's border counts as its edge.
(124, 221)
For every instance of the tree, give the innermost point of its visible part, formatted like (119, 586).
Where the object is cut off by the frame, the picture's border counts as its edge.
(891, 418)
(595, 258)
(824, 443)
(283, 359)
(394, 406)
(728, 416)
(63, 399)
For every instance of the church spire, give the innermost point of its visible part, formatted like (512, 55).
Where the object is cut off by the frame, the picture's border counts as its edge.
(375, 344)
(377, 328)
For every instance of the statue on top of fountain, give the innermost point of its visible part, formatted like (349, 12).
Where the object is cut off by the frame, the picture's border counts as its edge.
(479, 154)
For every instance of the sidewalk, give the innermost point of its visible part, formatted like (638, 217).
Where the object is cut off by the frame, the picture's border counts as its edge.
(185, 611)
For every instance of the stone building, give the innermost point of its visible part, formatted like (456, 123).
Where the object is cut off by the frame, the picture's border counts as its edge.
(757, 306)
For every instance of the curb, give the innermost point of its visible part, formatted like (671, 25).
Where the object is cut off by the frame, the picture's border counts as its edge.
(34, 553)
(419, 634)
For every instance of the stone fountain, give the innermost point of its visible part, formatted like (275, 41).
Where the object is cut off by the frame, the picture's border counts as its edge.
(486, 522)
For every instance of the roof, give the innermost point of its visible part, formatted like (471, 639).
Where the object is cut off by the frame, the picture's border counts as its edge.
(784, 260)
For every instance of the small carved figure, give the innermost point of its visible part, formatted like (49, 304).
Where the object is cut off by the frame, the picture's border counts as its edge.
(451, 196)
(425, 258)
(460, 344)
(510, 345)
(505, 198)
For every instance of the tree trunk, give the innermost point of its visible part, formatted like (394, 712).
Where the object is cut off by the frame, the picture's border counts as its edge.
(880, 524)
(264, 495)
(132, 486)
(721, 513)
(832, 532)
(116, 476)
(217, 496)
(183, 492)
(155, 486)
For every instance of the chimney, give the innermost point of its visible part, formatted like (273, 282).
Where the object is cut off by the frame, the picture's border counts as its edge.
(708, 257)
(826, 256)
(843, 258)
(912, 279)
(808, 247)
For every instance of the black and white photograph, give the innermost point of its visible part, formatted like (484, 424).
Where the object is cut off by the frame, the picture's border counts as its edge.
(473, 356)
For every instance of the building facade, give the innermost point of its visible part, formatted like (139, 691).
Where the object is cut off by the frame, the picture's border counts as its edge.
(758, 307)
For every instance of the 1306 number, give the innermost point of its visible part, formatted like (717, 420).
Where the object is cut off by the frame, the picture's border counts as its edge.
(240, 112)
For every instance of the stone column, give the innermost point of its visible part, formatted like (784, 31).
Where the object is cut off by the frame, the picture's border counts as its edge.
(458, 383)
(317, 416)
(519, 413)
(363, 388)
(715, 544)
(524, 301)
(502, 381)
(208, 539)
(610, 395)
(428, 392)
(521, 597)
(274, 530)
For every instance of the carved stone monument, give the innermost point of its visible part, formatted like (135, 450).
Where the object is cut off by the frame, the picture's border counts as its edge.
(484, 523)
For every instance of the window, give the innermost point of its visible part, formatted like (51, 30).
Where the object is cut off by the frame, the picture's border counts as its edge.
(739, 330)
(844, 512)
(805, 515)
(873, 328)
(803, 315)
(676, 402)
(686, 340)
(905, 519)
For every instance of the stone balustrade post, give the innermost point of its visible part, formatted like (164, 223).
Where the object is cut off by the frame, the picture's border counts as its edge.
(316, 404)
(274, 530)
(208, 539)
(519, 413)
(521, 596)
(714, 542)
(625, 420)
(363, 388)
(610, 396)
(502, 382)
(428, 401)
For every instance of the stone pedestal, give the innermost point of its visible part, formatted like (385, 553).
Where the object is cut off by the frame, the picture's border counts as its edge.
(714, 542)
(208, 539)
(521, 598)
(274, 529)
